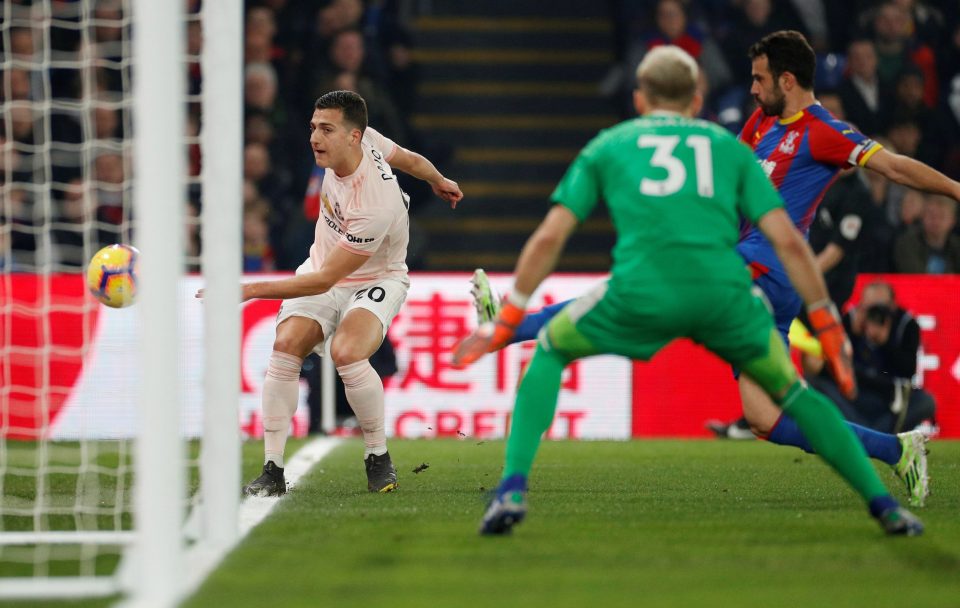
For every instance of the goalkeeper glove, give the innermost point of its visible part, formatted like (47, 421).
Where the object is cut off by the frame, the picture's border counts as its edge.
(825, 321)
(489, 336)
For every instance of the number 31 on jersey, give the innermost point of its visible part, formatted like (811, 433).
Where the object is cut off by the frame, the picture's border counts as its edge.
(663, 148)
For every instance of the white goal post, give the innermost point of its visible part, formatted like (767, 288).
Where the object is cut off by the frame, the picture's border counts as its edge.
(160, 538)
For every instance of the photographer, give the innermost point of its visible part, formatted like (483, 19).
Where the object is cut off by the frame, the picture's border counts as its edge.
(885, 341)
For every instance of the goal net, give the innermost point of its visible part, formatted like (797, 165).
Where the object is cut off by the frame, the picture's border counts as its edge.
(100, 143)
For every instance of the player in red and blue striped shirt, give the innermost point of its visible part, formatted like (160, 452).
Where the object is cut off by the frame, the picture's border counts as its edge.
(803, 148)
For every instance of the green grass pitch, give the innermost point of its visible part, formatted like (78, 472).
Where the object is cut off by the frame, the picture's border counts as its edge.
(641, 523)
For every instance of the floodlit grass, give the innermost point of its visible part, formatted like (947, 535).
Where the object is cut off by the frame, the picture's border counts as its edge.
(106, 482)
(645, 523)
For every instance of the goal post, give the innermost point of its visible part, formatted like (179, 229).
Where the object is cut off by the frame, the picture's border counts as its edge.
(159, 199)
(222, 139)
(110, 480)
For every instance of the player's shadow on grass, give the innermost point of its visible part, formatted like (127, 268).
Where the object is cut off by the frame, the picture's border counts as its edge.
(922, 556)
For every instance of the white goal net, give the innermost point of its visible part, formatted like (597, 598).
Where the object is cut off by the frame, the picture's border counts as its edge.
(100, 143)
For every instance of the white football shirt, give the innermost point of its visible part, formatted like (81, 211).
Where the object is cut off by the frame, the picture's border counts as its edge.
(365, 213)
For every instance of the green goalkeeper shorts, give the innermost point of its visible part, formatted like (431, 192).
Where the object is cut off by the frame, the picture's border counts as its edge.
(731, 320)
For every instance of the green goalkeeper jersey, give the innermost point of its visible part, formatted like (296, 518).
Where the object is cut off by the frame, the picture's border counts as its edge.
(676, 189)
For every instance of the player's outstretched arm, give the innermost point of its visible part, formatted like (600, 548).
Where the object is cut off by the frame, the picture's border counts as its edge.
(339, 264)
(420, 167)
(801, 267)
(912, 173)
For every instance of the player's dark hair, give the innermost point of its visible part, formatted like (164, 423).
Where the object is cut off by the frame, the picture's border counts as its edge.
(787, 51)
(353, 106)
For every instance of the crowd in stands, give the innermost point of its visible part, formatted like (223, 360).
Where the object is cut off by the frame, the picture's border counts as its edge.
(890, 67)
(64, 153)
(294, 52)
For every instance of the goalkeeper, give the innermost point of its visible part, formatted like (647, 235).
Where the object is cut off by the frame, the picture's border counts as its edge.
(674, 187)
(802, 147)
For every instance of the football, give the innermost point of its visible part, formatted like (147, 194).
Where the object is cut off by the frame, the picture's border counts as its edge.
(112, 275)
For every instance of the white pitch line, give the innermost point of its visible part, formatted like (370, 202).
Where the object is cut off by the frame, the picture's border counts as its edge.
(202, 559)
(254, 509)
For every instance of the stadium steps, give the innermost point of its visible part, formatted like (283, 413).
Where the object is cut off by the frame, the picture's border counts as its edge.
(513, 95)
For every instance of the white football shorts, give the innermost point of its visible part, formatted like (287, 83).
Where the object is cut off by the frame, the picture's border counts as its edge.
(382, 297)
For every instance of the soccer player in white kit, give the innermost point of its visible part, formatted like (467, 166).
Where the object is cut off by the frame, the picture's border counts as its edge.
(351, 286)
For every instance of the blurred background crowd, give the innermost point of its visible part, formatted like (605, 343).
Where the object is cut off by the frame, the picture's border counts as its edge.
(890, 67)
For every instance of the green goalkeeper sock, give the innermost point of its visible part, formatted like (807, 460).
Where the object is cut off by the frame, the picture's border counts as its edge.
(534, 410)
(832, 439)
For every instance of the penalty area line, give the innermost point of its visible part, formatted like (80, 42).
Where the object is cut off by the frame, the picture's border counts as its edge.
(202, 560)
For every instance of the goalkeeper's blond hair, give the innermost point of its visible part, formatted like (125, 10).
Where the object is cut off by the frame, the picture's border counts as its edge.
(668, 76)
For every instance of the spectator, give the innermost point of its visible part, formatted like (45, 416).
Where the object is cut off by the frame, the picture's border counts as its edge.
(194, 48)
(20, 226)
(106, 123)
(908, 105)
(347, 51)
(194, 153)
(863, 98)
(108, 44)
(110, 195)
(260, 87)
(9, 157)
(338, 15)
(250, 192)
(753, 20)
(905, 134)
(896, 50)
(74, 210)
(886, 340)
(884, 223)
(671, 26)
(390, 44)
(840, 232)
(21, 123)
(931, 247)
(926, 21)
(909, 210)
(258, 129)
(813, 15)
(20, 87)
(257, 253)
(260, 23)
(192, 237)
(256, 168)
(22, 43)
(348, 60)
(257, 48)
(380, 107)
